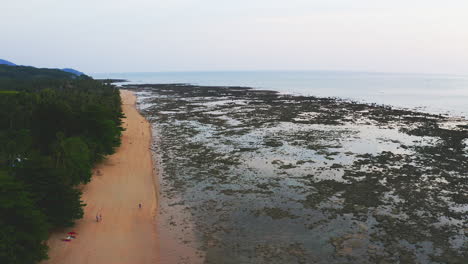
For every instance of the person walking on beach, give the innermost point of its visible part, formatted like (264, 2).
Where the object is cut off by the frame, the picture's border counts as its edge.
(139, 205)
(97, 218)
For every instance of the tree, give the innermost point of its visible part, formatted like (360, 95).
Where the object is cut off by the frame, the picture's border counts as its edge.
(73, 155)
(23, 227)
(54, 127)
(50, 189)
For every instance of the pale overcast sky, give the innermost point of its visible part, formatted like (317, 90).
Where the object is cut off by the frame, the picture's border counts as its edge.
(176, 35)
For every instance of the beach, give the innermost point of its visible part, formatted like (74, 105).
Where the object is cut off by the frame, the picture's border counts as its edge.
(125, 233)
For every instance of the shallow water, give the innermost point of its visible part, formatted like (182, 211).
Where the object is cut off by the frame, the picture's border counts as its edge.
(257, 178)
(435, 93)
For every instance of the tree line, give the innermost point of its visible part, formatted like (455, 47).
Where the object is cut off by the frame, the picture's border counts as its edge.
(54, 128)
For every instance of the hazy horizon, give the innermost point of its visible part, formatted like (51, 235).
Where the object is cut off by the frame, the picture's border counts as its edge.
(258, 35)
(462, 75)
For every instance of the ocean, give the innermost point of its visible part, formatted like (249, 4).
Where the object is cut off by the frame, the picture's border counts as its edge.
(432, 93)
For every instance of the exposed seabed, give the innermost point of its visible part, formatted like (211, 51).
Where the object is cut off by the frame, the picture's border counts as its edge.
(260, 177)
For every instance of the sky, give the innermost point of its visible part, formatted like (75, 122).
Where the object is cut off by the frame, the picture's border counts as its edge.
(98, 36)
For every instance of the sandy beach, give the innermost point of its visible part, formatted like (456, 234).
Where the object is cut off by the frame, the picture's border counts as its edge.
(126, 233)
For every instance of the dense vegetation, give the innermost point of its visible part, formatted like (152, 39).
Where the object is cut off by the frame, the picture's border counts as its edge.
(54, 127)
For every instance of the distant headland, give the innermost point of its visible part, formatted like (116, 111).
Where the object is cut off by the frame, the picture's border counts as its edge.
(69, 70)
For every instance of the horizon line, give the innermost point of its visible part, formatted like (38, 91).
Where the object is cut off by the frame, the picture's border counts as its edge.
(272, 71)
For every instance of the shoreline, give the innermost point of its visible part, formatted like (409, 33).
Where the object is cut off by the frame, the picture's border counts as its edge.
(430, 93)
(243, 172)
(423, 109)
(175, 246)
(126, 233)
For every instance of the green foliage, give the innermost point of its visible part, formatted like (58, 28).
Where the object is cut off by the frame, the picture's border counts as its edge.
(50, 189)
(30, 73)
(54, 127)
(9, 92)
(73, 155)
(23, 227)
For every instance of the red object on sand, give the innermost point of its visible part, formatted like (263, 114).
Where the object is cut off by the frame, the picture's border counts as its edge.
(72, 233)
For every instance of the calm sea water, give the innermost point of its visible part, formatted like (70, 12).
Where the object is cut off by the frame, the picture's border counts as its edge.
(446, 94)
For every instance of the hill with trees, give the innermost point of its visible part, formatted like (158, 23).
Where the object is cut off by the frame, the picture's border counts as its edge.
(69, 70)
(5, 62)
(26, 73)
(55, 126)
(78, 73)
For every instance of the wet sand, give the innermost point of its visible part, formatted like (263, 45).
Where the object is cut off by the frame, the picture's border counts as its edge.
(126, 234)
